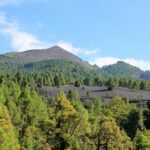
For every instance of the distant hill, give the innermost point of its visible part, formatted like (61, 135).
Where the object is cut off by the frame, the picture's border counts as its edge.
(145, 75)
(124, 69)
(52, 53)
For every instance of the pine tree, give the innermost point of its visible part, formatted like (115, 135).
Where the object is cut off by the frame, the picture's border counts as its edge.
(141, 141)
(8, 138)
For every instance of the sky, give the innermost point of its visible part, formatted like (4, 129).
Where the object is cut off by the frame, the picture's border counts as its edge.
(99, 31)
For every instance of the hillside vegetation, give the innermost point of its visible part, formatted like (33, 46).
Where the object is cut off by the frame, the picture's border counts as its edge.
(25, 60)
(32, 118)
(29, 122)
(126, 70)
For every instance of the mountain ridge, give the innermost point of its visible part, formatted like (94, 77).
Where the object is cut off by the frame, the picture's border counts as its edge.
(36, 55)
(57, 53)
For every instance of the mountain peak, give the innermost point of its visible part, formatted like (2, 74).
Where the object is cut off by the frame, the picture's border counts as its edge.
(36, 55)
(56, 47)
(121, 62)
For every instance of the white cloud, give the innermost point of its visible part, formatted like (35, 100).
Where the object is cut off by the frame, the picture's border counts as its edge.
(68, 46)
(103, 61)
(17, 2)
(8, 2)
(20, 40)
(145, 65)
(23, 41)
(76, 50)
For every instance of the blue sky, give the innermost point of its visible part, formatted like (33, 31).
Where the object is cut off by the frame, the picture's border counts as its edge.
(99, 31)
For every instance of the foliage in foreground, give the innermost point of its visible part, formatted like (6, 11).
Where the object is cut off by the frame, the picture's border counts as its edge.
(28, 122)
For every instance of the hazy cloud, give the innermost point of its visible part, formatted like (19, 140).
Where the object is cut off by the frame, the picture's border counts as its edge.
(76, 50)
(17, 2)
(10, 2)
(19, 39)
(68, 46)
(103, 61)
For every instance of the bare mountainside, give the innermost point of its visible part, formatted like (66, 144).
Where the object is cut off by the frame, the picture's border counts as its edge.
(42, 54)
(134, 95)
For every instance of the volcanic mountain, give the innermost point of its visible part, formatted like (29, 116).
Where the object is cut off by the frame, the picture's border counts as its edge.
(37, 55)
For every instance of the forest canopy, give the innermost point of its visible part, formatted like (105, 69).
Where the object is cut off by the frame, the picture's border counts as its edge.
(29, 122)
